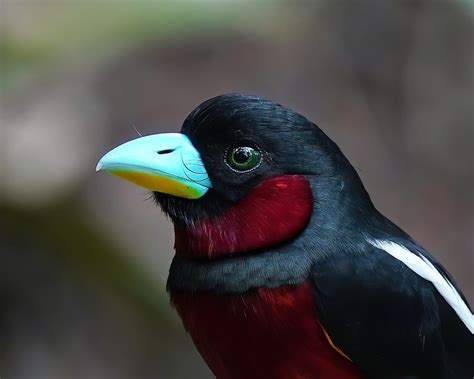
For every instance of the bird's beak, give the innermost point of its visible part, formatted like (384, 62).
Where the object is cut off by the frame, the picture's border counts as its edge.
(167, 163)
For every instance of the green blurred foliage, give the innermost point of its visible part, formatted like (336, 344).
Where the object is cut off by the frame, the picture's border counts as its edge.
(66, 232)
(59, 27)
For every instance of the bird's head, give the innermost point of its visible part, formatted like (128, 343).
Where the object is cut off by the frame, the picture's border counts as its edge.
(244, 174)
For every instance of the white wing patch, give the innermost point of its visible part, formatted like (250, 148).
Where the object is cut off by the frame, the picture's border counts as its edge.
(424, 268)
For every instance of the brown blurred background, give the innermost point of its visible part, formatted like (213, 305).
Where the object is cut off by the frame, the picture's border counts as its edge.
(84, 256)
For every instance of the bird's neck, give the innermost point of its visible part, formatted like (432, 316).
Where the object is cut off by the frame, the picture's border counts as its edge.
(273, 212)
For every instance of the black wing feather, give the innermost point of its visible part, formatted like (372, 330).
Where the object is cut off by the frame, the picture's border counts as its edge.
(390, 321)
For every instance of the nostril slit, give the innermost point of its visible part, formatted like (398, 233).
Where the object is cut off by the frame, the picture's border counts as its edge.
(166, 151)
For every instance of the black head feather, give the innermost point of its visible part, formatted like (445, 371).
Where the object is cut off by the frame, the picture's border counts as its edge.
(289, 143)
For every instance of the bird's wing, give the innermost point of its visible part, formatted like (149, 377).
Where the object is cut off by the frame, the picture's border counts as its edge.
(395, 313)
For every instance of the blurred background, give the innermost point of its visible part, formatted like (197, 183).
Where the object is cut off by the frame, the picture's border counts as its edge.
(84, 256)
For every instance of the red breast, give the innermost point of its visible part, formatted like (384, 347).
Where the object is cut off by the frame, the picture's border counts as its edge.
(266, 333)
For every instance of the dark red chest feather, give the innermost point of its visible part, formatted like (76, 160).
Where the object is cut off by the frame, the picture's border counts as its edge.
(273, 212)
(266, 333)
(263, 333)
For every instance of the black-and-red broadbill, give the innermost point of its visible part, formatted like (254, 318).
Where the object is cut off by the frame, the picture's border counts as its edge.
(284, 268)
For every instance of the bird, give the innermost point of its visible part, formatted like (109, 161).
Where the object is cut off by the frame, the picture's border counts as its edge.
(283, 266)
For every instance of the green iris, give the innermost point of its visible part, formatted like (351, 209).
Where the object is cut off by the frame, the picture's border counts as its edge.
(243, 158)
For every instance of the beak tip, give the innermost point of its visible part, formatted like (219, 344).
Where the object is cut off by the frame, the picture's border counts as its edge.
(99, 166)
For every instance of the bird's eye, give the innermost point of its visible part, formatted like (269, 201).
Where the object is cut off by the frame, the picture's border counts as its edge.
(243, 158)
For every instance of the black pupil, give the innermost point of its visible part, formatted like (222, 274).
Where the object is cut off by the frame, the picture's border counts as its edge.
(242, 154)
